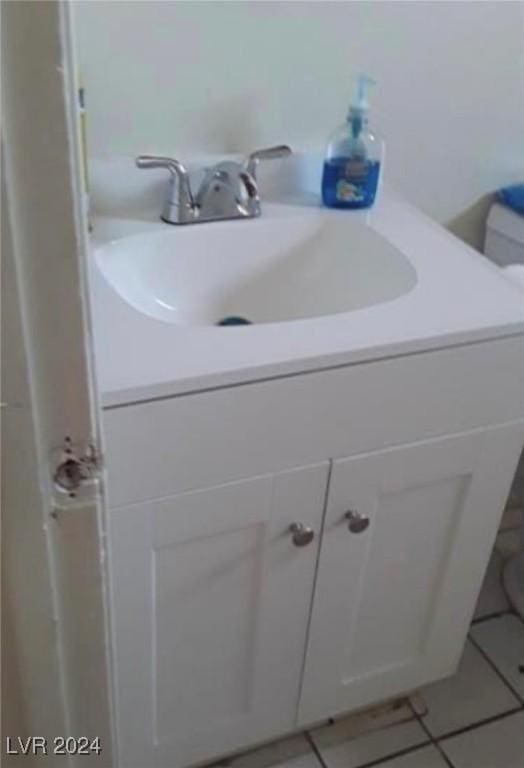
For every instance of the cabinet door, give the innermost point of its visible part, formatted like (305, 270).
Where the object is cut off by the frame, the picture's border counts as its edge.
(393, 602)
(211, 599)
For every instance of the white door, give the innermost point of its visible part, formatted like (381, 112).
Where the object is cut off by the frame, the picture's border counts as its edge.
(393, 600)
(211, 600)
(52, 579)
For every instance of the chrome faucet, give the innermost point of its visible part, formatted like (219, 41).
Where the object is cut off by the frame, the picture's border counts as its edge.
(229, 189)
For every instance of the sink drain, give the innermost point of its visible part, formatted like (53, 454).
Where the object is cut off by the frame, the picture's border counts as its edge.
(234, 320)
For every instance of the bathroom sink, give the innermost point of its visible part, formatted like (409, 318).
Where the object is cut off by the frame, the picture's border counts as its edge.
(269, 270)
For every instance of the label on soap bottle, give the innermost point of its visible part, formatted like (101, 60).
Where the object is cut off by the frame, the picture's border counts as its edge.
(350, 183)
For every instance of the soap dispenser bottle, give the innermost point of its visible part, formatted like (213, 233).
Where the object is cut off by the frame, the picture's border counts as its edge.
(354, 157)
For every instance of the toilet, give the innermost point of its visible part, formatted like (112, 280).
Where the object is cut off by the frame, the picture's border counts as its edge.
(504, 242)
(504, 245)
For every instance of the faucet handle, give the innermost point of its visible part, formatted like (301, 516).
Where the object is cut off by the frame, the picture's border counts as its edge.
(178, 171)
(155, 161)
(270, 153)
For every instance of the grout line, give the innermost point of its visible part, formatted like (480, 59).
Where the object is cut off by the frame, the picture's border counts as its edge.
(518, 527)
(480, 723)
(400, 753)
(496, 669)
(315, 749)
(381, 760)
(489, 616)
(432, 739)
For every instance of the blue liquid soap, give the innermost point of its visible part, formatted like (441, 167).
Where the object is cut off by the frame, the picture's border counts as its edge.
(350, 184)
(354, 157)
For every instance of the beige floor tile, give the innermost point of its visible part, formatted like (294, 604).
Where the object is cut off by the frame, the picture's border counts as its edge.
(502, 639)
(497, 745)
(365, 748)
(473, 694)
(295, 751)
(428, 757)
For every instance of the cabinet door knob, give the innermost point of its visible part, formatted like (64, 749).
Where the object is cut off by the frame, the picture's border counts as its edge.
(356, 522)
(302, 534)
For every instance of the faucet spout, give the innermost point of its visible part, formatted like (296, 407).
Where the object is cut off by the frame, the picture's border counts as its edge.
(229, 189)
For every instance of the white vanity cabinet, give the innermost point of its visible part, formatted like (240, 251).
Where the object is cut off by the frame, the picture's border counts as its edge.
(211, 601)
(406, 538)
(227, 634)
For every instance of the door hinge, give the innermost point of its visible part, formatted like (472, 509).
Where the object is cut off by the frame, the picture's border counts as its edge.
(76, 475)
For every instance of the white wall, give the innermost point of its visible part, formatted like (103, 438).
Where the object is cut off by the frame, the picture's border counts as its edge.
(177, 77)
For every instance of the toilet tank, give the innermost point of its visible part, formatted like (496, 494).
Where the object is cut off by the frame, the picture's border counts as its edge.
(504, 243)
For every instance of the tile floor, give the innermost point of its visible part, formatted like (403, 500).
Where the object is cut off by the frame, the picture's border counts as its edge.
(472, 720)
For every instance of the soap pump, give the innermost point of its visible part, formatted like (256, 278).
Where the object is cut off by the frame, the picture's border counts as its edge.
(354, 157)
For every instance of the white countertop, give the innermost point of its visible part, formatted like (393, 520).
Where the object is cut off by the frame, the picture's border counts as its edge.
(459, 298)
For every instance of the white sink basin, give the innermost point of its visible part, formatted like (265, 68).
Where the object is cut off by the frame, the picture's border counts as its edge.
(269, 270)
